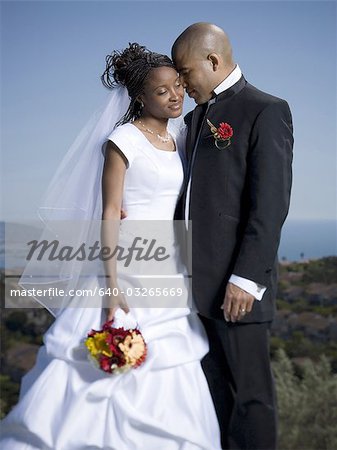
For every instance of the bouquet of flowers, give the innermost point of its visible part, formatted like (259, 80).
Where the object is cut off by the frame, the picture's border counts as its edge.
(116, 350)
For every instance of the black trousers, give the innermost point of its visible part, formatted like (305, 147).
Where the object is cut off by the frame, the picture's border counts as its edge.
(239, 376)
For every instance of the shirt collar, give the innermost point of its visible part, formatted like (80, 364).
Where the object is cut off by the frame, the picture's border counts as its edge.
(228, 82)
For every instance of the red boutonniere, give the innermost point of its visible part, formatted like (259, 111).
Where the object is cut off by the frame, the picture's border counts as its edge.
(222, 135)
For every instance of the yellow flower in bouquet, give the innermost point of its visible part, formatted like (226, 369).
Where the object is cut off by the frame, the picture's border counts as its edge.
(98, 344)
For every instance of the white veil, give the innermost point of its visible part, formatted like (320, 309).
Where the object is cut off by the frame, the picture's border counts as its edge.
(69, 195)
(72, 204)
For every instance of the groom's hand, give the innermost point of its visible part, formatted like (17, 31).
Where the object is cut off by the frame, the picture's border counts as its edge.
(237, 303)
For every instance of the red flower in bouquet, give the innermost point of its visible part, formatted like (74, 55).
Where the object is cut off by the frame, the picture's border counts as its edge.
(116, 350)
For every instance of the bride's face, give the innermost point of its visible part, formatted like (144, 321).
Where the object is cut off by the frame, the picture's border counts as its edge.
(163, 94)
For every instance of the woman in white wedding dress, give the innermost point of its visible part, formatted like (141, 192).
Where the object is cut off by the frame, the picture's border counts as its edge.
(66, 403)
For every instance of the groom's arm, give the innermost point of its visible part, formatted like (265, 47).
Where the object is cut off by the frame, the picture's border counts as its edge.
(269, 178)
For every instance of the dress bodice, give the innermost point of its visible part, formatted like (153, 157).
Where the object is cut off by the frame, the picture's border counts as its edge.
(153, 177)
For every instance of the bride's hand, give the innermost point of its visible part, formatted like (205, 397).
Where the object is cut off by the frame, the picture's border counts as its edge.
(123, 214)
(114, 302)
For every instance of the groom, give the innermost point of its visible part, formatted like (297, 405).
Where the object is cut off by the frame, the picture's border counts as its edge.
(239, 151)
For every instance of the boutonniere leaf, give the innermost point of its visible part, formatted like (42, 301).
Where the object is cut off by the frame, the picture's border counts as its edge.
(221, 134)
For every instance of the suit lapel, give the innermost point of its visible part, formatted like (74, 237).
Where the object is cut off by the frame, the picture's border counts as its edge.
(194, 130)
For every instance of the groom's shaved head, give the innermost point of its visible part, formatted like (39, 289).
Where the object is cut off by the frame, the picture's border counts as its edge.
(202, 55)
(202, 39)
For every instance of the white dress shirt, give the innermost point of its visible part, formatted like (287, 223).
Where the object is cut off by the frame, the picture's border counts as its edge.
(249, 286)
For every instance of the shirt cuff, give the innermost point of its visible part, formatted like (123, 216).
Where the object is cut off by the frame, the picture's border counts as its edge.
(257, 290)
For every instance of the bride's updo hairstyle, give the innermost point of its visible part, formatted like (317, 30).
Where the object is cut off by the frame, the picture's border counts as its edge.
(130, 67)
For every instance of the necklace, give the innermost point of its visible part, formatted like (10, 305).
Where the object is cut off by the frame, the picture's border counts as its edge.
(161, 138)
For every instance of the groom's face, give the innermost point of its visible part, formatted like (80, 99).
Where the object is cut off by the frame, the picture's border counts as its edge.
(196, 74)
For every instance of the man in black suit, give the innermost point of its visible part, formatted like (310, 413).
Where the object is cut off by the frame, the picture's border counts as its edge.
(237, 191)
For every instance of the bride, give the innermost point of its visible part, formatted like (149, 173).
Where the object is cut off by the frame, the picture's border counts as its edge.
(66, 403)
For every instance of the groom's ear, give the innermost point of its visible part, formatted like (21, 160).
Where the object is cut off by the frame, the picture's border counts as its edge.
(215, 60)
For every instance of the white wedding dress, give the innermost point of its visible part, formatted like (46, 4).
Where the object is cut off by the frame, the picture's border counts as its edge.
(67, 404)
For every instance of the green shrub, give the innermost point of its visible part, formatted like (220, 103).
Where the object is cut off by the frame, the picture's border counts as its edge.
(306, 405)
(9, 394)
(323, 270)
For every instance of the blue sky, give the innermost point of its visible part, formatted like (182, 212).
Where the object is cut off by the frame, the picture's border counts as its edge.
(52, 56)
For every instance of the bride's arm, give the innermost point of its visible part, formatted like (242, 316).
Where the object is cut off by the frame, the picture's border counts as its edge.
(112, 195)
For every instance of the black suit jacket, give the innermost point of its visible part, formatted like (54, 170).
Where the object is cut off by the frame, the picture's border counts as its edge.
(239, 195)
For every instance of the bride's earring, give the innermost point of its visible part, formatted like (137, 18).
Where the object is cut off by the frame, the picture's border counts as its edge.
(140, 101)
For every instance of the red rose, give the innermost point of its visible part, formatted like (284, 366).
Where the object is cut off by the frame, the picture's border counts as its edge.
(225, 131)
(105, 364)
(107, 325)
(116, 335)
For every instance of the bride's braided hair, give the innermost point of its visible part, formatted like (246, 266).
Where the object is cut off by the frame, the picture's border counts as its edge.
(130, 68)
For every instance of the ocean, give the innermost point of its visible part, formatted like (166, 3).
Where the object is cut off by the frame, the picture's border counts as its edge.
(308, 239)
(301, 239)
